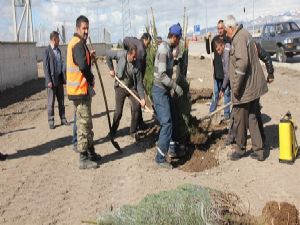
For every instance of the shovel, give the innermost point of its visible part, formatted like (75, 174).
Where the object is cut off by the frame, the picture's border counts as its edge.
(215, 112)
(133, 95)
(114, 143)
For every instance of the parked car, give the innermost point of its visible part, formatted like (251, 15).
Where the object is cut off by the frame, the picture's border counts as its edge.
(282, 39)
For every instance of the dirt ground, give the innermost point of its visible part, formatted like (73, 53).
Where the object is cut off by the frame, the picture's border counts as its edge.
(41, 183)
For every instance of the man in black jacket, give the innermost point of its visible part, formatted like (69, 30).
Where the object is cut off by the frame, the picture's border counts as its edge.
(218, 69)
(54, 79)
(142, 45)
(80, 83)
(131, 76)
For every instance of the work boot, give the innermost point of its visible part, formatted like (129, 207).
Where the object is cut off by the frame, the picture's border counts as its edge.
(180, 150)
(92, 155)
(165, 165)
(142, 126)
(64, 122)
(51, 125)
(134, 137)
(236, 155)
(85, 162)
(176, 150)
(258, 155)
(171, 151)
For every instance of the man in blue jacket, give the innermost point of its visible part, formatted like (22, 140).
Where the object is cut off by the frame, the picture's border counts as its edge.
(54, 79)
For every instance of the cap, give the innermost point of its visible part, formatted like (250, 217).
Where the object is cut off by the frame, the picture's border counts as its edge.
(176, 30)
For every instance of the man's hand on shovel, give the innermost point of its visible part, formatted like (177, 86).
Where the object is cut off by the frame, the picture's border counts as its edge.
(112, 73)
(221, 94)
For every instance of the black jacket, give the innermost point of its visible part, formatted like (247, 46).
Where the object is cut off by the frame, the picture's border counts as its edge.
(265, 57)
(79, 57)
(50, 68)
(218, 66)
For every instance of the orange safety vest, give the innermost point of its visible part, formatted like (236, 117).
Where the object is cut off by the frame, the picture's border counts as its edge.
(76, 83)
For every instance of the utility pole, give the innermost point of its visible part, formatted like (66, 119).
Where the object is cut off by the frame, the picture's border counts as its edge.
(126, 20)
(26, 6)
(245, 11)
(206, 16)
(253, 18)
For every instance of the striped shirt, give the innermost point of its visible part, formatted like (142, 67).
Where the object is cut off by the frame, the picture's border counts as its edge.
(163, 66)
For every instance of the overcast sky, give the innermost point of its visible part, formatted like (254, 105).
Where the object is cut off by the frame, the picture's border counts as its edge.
(49, 14)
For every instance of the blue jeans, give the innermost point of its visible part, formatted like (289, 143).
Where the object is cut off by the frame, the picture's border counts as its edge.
(74, 140)
(227, 97)
(161, 100)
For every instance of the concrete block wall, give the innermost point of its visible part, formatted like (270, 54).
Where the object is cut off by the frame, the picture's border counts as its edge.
(99, 47)
(17, 63)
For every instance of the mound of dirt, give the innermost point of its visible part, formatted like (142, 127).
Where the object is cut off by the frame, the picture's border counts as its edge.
(282, 213)
(200, 161)
(199, 131)
(208, 143)
(200, 95)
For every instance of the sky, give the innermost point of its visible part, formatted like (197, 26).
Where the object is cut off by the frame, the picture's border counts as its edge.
(50, 14)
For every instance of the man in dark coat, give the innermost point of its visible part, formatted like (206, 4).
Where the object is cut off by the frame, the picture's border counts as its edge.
(129, 75)
(142, 45)
(218, 70)
(54, 79)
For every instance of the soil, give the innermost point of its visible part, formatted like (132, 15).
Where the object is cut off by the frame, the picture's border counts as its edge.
(207, 145)
(41, 183)
(282, 213)
(201, 95)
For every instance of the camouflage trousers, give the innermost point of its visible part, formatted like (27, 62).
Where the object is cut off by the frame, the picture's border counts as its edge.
(84, 124)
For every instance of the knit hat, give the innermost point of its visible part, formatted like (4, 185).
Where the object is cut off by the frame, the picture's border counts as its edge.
(176, 30)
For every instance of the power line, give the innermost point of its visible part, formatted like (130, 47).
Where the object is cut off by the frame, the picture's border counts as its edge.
(126, 18)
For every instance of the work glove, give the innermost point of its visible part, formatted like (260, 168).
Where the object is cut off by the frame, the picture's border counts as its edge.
(178, 90)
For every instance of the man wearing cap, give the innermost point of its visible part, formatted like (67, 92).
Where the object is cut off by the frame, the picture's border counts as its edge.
(162, 85)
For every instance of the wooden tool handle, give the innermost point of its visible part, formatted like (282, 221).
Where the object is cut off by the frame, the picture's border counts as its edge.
(134, 95)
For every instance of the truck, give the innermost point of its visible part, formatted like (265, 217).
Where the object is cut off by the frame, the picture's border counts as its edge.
(282, 39)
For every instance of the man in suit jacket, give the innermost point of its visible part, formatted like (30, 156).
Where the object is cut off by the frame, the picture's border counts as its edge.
(54, 79)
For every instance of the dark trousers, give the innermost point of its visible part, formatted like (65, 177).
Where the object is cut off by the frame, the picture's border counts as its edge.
(120, 96)
(245, 116)
(233, 130)
(260, 122)
(57, 92)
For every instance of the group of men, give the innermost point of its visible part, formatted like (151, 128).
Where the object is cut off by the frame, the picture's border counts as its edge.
(238, 76)
(236, 69)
